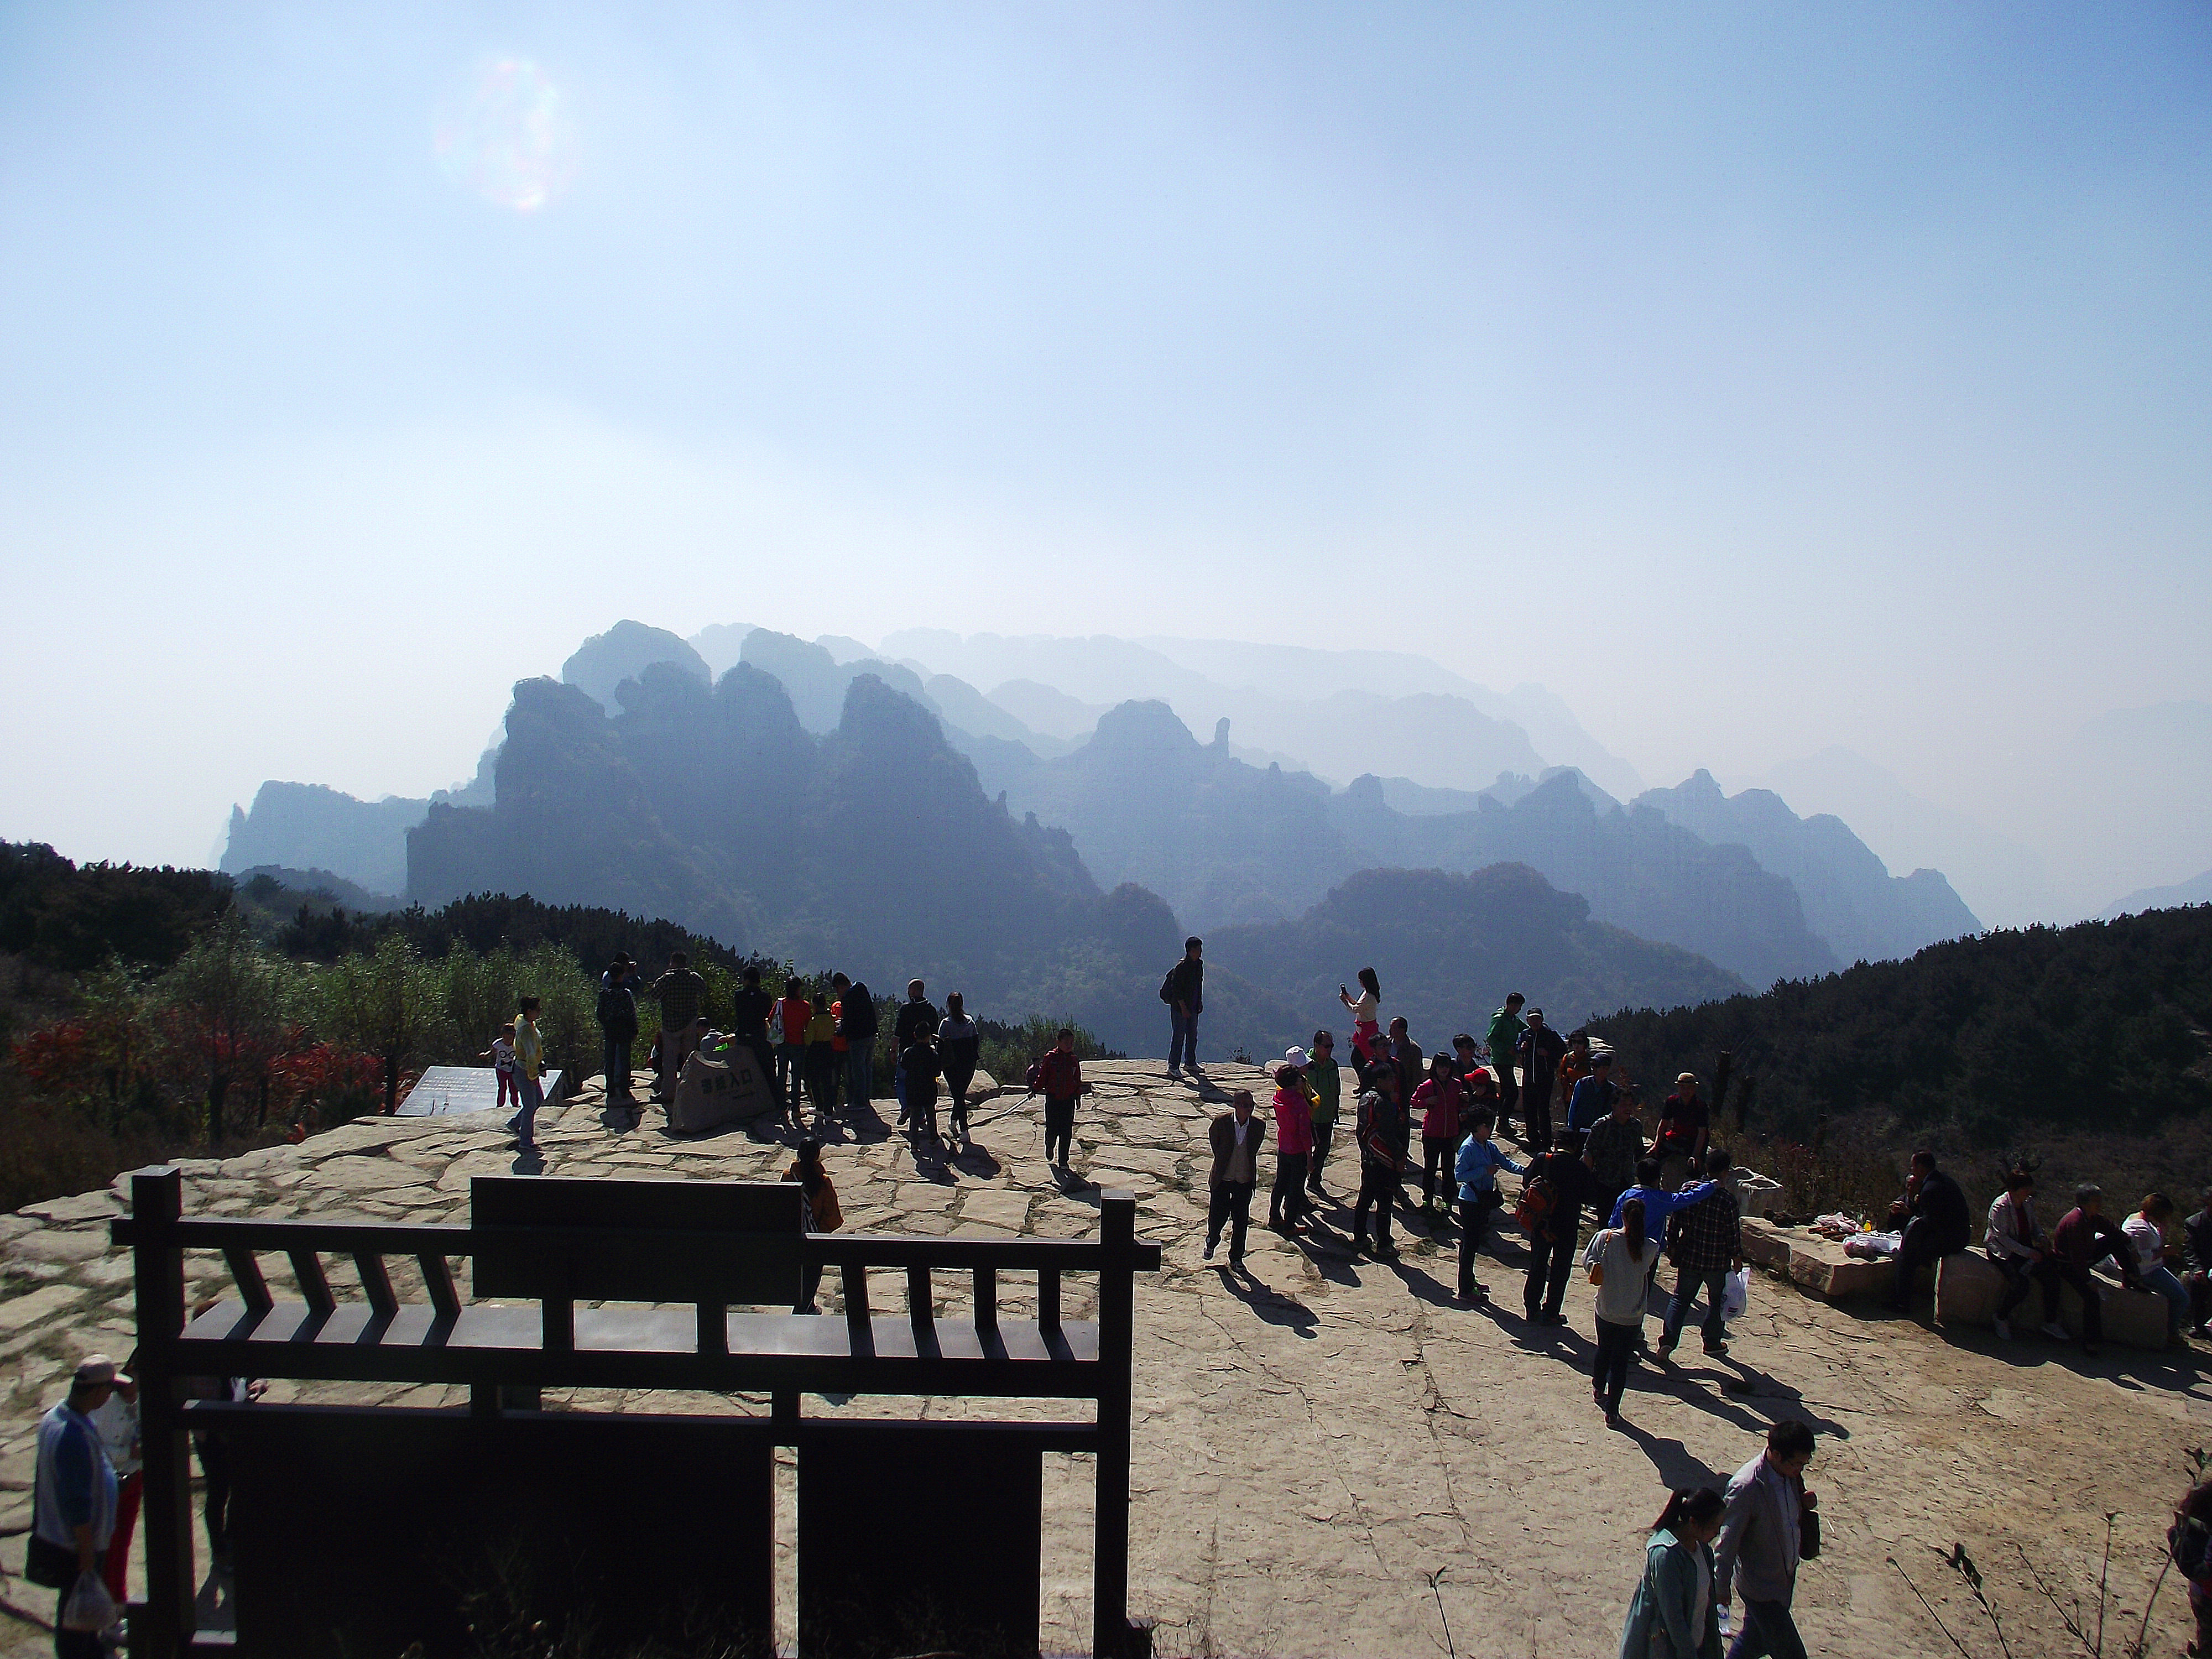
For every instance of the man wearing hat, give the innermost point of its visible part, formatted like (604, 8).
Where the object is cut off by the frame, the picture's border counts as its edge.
(1684, 1130)
(73, 1499)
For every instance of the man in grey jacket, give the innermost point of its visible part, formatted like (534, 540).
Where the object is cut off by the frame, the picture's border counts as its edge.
(1760, 1537)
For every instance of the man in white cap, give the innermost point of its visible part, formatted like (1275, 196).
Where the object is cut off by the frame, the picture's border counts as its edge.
(73, 1499)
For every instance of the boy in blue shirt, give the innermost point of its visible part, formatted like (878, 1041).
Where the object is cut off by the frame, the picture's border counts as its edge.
(1477, 1168)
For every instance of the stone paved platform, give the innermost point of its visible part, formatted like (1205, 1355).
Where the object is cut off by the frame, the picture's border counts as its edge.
(1316, 1437)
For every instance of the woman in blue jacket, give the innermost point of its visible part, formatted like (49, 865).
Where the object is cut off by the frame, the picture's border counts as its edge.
(1674, 1614)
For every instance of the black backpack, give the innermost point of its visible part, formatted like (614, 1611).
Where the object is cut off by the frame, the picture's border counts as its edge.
(618, 1009)
(1168, 985)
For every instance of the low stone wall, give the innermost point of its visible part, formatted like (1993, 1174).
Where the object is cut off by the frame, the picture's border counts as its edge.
(1968, 1285)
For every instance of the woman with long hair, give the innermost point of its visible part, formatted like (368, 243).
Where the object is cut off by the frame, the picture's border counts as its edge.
(1673, 1613)
(1364, 1029)
(1620, 1265)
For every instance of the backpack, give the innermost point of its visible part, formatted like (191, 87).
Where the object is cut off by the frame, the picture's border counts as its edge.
(618, 1009)
(1539, 1198)
(1168, 985)
(2189, 1543)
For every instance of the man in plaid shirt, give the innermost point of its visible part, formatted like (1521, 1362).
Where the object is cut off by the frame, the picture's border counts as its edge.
(1705, 1243)
(1615, 1147)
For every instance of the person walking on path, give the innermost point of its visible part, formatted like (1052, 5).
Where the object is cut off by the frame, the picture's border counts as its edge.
(959, 1045)
(1184, 993)
(1674, 1614)
(750, 1013)
(117, 1423)
(1476, 1168)
(1761, 1537)
(787, 1024)
(918, 1068)
(1437, 1100)
(1615, 1147)
(1684, 1133)
(1620, 1259)
(1287, 1203)
(818, 1213)
(679, 991)
(1934, 1216)
(1234, 1139)
(1537, 1053)
(617, 1017)
(915, 1016)
(1505, 1039)
(1366, 1013)
(2146, 1231)
(1059, 1081)
(1325, 1083)
(73, 1496)
(856, 1030)
(1706, 1246)
(1382, 1130)
(1566, 1178)
(2084, 1236)
(529, 1070)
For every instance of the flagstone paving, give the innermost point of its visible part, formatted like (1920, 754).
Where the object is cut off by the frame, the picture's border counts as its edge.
(1330, 1457)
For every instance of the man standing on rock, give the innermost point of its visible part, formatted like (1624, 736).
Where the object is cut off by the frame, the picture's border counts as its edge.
(1505, 1029)
(679, 991)
(1539, 1051)
(617, 1014)
(1184, 993)
(1571, 1184)
(1234, 1139)
(1615, 1147)
(1685, 1134)
(856, 1029)
(750, 1023)
(73, 1500)
(1383, 1131)
(916, 1019)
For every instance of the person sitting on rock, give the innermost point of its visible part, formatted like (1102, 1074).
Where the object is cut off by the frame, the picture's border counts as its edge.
(2146, 1231)
(2017, 1247)
(1933, 1212)
(2084, 1236)
(2197, 1252)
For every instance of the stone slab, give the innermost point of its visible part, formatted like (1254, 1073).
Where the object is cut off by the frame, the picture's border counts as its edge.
(456, 1091)
(1968, 1285)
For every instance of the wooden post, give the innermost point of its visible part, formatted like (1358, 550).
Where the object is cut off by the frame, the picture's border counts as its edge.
(1117, 1287)
(166, 1624)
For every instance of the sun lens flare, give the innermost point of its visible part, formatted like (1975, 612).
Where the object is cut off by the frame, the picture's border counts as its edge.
(511, 141)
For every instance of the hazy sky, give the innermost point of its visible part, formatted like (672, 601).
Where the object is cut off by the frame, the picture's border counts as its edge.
(1760, 379)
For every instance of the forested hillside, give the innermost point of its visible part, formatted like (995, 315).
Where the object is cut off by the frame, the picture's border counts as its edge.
(2104, 1027)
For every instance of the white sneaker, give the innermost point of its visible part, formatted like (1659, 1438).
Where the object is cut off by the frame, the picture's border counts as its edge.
(2004, 1328)
(2056, 1331)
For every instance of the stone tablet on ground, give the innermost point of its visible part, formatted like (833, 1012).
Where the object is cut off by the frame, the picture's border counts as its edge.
(449, 1091)
(711, 1093)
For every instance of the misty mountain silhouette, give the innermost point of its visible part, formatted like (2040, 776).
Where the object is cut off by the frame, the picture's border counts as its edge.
(1448, 948)
(1851, 899)
(604, 661)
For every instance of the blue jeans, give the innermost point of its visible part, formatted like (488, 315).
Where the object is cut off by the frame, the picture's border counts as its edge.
(2162, 1280)
(533, 1097)
(859, 1074)
(617, 1066)
(1714, 1282)
(1182, 1047)
(1767, 1633)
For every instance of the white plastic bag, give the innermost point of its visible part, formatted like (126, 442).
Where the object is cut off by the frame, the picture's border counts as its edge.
(89, 1607)
(1737, 1296)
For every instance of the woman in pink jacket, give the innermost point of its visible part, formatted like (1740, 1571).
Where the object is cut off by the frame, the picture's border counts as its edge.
(1288, 1204)
(1438, 1101)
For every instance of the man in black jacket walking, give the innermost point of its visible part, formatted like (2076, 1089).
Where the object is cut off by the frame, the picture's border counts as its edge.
(1554, 1245)
(915, 1018)
(1184, 991)
(856, 1024)
(1934, 1214)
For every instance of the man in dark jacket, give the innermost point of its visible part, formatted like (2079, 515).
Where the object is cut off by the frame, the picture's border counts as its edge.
(2083, 1237)
(1552, 1246)
(1234, 1139)
(679, 991)
(915, 1018)
(1384, 1130)
(1184, 991)
(856, 1025)
(751, 1028)
(1936, 1221)
(2196, 1246)
(618, 1013)
(1539, 1051)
